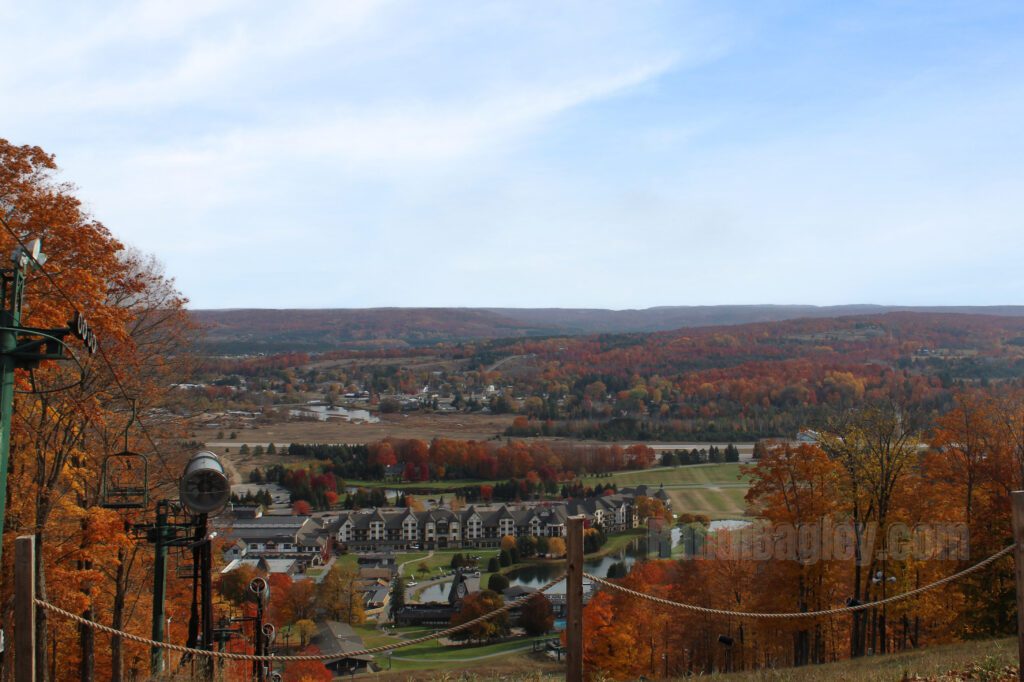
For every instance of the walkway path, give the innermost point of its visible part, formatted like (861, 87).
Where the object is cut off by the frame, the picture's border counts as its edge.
(446, 659)
(412, 561)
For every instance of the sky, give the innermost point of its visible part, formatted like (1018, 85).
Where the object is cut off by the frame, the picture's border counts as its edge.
(364, 153)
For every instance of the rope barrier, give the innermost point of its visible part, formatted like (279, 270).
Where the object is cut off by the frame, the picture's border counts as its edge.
(519, 602)
(302, 657)
(801, 614)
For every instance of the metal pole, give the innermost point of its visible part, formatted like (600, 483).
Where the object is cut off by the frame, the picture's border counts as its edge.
(1017, 497)
(206, 567)
(156, 660)
(13, 293)
(574, 599)
(258, 640)
(25, 609)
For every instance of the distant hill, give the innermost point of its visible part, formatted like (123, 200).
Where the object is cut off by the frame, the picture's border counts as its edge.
(267, 330)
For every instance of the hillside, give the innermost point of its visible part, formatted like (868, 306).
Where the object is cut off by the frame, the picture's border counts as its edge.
(267, 330)
(994, 660)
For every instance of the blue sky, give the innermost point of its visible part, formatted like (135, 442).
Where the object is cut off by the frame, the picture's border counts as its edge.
(575, 154)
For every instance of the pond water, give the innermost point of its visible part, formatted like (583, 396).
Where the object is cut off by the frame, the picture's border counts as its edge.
(438, 592)
(536, 575)
(325, 412)
(390, 493)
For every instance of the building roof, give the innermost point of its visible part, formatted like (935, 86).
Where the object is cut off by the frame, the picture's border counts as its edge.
(336, 638)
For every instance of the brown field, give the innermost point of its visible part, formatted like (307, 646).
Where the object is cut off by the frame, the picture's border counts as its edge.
(424, 426)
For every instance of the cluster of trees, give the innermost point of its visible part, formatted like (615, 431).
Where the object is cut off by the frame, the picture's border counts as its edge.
(537, 468)
(752, 381)
(68, 418)
(624, 427)
(536, 616)
(869, 471)
(536, 463)
(713, 454)
(260, 497)
(320, 490)
(446, 458)
(578, 489)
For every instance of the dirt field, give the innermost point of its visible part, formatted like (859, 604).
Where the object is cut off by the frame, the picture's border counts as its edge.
(423, 426)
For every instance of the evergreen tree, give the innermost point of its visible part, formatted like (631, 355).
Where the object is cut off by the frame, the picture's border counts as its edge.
(497, 582)
(397, 596)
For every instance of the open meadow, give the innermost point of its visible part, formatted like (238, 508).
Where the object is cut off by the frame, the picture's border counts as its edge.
(714, 490)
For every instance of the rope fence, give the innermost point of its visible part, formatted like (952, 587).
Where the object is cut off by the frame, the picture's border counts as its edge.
(800, 614)
(612, 586)
(300, 657)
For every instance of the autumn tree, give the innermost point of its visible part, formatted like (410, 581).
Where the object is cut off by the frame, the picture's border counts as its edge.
(556, 547)
(478, 604)
(77, 415)
(536, 616)
(234, 586)
(875, 446)
(305, 629)
(339, 597)
(307, 671)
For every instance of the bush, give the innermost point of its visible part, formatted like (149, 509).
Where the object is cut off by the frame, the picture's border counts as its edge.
(493, 565)
(504, 558)
(497, 582)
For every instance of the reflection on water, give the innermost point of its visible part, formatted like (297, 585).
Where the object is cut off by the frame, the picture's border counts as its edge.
(536, 575)
(438, 592)
(325, 412)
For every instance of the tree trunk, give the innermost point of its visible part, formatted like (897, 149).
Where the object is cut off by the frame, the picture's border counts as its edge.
(86, 636)
(117, 619)
(87, 643)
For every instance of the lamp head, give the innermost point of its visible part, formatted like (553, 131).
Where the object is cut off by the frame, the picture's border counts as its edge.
(31, 253)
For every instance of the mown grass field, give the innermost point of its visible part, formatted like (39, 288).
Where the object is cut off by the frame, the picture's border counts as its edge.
(715, 490)
(696, 474)
(713, 502)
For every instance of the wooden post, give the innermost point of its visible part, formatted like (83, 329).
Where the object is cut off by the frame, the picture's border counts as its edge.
(25, 609)
(1017, 498)
(574, 599)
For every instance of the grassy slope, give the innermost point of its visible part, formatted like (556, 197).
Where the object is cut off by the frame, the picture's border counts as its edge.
(986, 657)
(986, 660)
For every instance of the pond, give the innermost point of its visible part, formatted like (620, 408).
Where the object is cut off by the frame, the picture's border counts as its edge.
(536, 575)
(390, 493)
(436, 592)
(325, 412)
